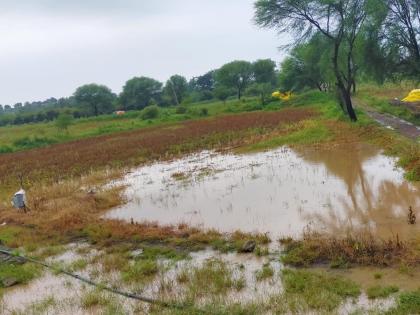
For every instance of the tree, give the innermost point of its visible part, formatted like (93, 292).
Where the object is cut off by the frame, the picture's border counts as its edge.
(63, 121)
(338, 20)
(235, 75)
(139, 91)
(308, 66)
(402, 29)
(264, 71)
(222, 93)
(97, 98)
(202, 86)
(175, 89)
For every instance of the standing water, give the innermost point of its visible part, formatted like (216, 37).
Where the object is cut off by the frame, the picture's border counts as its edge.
(280, 192)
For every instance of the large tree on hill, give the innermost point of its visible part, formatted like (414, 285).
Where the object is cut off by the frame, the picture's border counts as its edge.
(236, 75)
(139, 91)
(338, 20)
(99, 99)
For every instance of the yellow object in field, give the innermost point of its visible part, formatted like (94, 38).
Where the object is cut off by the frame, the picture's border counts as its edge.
(413, 96)
(282, 96)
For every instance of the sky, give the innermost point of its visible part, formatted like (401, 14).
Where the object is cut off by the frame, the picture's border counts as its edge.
(50, 47)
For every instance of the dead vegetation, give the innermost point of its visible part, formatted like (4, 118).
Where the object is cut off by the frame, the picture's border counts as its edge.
(361, 249)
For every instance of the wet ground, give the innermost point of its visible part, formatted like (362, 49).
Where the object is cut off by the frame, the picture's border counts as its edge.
(58, 294)
(281, 192)
(402, 126)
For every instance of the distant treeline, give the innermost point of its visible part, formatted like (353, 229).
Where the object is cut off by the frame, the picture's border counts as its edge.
(231, 80)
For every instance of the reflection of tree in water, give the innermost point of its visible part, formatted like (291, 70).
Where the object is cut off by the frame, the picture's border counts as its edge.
(368, 204)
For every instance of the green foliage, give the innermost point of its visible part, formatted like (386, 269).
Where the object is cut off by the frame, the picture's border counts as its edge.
(150, 112)
(308, 66)
(222, 93)
(176, 89)
(140, 271)
(407, 303)
(99, 99)
(265, 273)
(319, 290)
(138, 92)
(380, 292)
(235, 75)
(64, 121)
(21, 273)
(32, 142)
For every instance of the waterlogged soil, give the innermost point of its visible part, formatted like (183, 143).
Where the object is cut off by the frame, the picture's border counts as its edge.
(59, 294)
(281, 192)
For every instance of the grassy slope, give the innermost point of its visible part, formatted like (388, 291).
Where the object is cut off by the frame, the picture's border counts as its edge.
(378, 97)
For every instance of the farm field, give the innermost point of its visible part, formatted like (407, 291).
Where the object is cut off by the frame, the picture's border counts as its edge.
(286, 208)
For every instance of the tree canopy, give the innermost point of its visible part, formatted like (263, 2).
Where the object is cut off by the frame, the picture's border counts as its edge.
(138, 92)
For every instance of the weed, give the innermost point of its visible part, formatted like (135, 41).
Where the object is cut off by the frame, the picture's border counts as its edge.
(140, 271)
(266, 272)
(380, 292)
(407, 303)
(21, 274)
(318, 290)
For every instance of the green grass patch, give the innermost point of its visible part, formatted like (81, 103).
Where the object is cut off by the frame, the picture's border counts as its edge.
(380, 292)
(407, 303)
(308, 132)
(318, 290)
(140, 271)
(266, 272)
(20, 273)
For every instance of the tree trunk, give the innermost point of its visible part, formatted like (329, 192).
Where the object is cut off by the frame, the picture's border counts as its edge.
(345, 94)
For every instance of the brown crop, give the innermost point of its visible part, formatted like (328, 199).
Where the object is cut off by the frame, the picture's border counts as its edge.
(131, 148)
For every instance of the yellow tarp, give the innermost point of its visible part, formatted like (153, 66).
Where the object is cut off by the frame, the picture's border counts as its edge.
(414, 96)
(282, 96)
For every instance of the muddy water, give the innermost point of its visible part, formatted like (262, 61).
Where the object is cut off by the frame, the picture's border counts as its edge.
(281, 192)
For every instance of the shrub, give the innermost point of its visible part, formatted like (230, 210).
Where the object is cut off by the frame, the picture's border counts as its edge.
(33, 142)
(181, 109)
(5, 149)
(204, 111)
(150, 112)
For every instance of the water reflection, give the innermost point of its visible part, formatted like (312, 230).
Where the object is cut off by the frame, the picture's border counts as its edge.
(280, 192)
(377, 197)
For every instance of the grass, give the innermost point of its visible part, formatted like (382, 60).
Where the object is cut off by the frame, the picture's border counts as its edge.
(213, 278)
(377, 291)
(141, 271)
(407, 303)
(379, 98)
(318, 290)
(22, 137)
(361, 249)
(20, 273)
(265, 273)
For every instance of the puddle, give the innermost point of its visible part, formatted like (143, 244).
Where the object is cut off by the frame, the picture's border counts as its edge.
(281, 192)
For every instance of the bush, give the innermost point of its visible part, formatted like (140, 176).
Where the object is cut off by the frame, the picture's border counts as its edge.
(5, 149)
(33, 142)
(150, 112)
(204, 111)
(181, 109)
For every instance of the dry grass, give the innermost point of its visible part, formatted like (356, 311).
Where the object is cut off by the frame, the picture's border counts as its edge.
(360, 249)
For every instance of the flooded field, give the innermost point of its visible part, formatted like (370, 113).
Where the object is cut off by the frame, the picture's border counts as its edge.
(281, 192)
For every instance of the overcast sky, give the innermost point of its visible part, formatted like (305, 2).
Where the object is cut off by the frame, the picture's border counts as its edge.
(50, 47)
